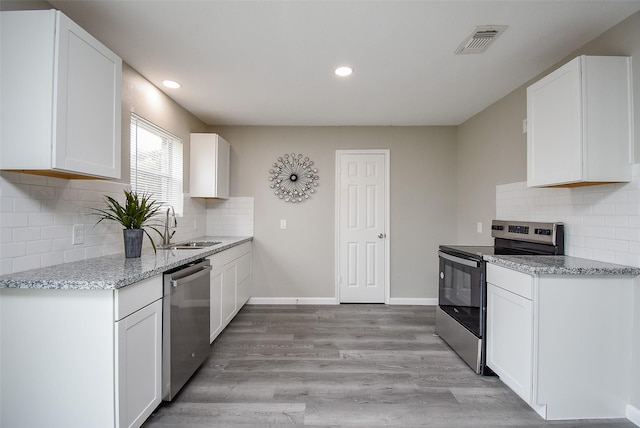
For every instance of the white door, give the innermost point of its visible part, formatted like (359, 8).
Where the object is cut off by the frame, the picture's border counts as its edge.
(362, 225)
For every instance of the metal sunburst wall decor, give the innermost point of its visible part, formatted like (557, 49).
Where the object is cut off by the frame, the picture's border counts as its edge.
(293, 178)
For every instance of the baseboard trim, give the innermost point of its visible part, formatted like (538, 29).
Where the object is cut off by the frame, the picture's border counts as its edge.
(633, 414)
(413, 301)
(293, 301)
(332, 301)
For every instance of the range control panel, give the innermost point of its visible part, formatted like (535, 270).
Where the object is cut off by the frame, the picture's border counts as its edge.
(526, 231)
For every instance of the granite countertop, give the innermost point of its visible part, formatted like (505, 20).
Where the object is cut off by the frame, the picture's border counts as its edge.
(114, 271)
(560, 265)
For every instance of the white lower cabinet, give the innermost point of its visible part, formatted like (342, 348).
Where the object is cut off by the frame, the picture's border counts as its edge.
(138, 341)
(215, 315)
(80, 358)
(510, 346)
(562, 342)
(230, 285)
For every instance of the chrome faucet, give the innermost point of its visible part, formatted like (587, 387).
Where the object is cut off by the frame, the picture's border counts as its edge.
(166, 237)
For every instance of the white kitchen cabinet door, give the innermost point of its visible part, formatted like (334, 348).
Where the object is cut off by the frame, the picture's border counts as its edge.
(243, 288)
(215, 314)
(230, 285)
(60, 98)
(229, 281)
(510, 339)
(579, 123)
(209, 166)
(138, 340)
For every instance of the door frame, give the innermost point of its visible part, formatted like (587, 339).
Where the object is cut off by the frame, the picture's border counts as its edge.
(387, 219)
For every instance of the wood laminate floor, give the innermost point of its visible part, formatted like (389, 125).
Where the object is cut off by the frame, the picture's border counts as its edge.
(343, 365)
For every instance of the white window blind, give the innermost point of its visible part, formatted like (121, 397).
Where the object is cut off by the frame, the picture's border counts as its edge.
(156, 163)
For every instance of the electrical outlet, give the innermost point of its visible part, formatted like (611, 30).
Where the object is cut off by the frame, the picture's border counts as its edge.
(479, 227)
(283, 223)
(524, 126)
(78, 234)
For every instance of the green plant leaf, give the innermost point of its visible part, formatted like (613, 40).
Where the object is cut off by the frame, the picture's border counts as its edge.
(137, 212)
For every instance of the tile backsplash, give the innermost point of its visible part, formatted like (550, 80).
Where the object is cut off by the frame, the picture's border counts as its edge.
(231, 217)
(601, 222)
(37, 215)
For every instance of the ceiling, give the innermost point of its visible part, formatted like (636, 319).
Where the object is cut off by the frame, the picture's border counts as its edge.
(271, 62)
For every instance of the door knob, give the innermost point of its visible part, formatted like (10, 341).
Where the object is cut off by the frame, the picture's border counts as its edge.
(382, 235)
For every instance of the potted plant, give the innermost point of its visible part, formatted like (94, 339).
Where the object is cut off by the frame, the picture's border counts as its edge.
(136, 214)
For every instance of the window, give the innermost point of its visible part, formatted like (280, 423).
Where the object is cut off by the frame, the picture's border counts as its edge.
(156, 163)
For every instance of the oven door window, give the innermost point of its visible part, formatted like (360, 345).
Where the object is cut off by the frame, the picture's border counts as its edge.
(460, 293)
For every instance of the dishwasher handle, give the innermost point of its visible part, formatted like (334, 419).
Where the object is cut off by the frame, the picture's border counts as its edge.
(189, 278)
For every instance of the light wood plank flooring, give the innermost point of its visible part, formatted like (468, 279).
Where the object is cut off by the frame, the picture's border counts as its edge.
(343, 365)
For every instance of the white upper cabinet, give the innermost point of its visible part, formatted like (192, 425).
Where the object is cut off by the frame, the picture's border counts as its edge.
(209, 167)
(60, 98)
(580, 123)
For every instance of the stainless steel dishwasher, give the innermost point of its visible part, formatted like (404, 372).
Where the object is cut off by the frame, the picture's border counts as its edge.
(185, 324)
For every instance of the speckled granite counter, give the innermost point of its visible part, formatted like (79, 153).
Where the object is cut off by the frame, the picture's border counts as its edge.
(114, 271)
(560, 265)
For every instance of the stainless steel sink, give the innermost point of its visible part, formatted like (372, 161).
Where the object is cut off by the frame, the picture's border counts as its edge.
(190, 245)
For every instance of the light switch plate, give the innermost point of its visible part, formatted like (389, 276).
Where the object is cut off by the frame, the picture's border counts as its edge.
(283, 223)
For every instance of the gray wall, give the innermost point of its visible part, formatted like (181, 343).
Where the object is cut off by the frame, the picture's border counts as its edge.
(299, 261)
(492, 148)
(141, 97)
(492, 151)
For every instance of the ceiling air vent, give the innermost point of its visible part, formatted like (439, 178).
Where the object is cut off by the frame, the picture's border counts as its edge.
(480, 39)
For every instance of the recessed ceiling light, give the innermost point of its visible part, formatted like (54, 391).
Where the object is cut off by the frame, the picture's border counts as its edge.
(343, 71)
(171, 84)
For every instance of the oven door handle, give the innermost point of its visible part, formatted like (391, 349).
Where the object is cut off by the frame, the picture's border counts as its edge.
(460, 260)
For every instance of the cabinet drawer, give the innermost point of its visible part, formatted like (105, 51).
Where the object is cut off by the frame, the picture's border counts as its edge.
(516, 282)
(135, 296)
(222, 258)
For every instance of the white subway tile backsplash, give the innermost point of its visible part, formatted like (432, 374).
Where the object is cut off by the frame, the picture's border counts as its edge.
(42, 193)
(26, 234)
(26, 263)
(37, 214)
(22, 205)
(50, 259)
(601, 222)
(39, 247)
(13, 220)
(6, 205)
(231, 217)
(604, 255)
(13, 249)
(6, 235)
(40, 219)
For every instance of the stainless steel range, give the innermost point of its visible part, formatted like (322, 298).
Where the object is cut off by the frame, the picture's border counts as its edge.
(462, 291)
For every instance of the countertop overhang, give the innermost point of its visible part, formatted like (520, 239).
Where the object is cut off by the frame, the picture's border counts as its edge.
(560, 265)
(114, 271)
